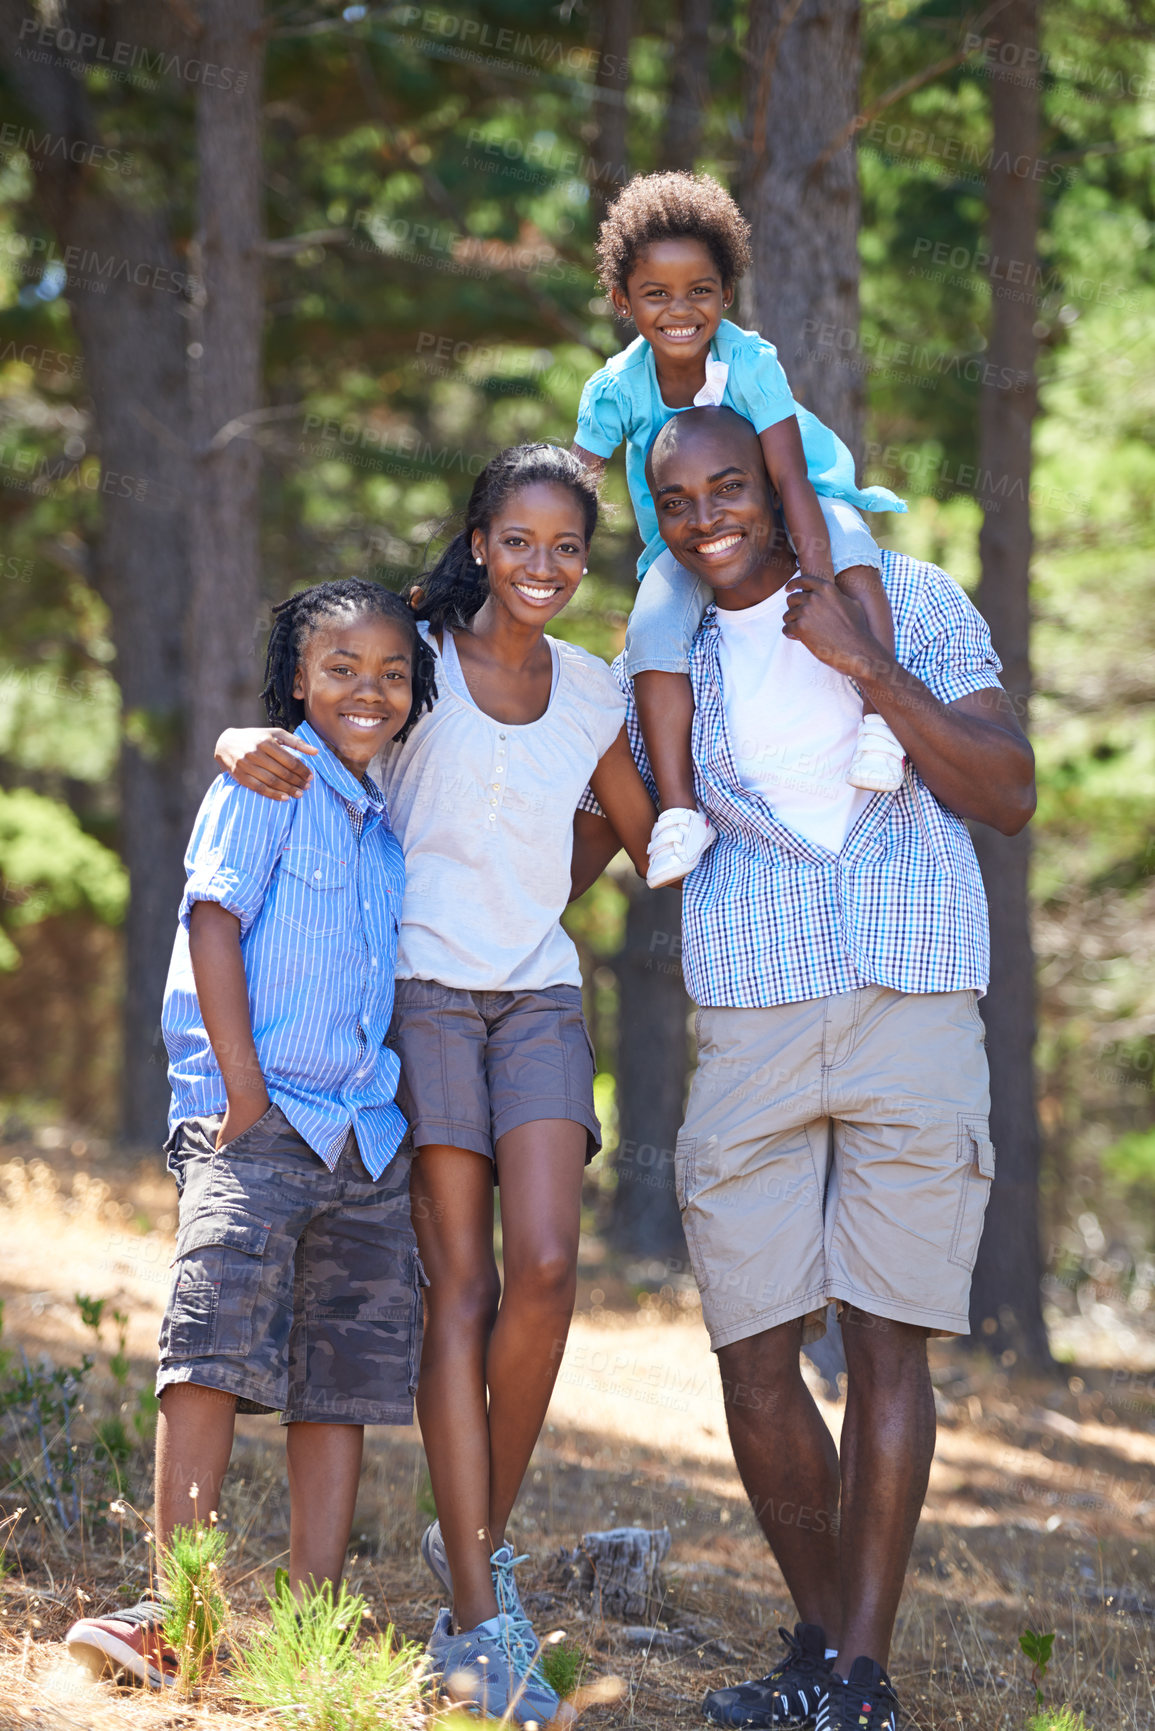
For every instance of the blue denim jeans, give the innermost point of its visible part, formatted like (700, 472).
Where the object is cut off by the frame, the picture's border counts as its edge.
(670, 603)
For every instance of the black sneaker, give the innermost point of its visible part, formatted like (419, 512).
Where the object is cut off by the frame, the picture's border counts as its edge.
(787, 1695)
(866, 1701)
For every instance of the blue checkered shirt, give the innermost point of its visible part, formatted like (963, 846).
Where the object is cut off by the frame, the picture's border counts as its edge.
(771, 918)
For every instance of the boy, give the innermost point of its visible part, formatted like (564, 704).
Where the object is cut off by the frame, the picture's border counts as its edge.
(297, 1284)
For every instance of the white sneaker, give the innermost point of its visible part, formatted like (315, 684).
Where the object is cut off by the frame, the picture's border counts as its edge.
(680, 838)
(878, 757)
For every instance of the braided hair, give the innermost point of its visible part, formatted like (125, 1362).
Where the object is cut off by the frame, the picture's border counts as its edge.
(294, 621)
(457, 586)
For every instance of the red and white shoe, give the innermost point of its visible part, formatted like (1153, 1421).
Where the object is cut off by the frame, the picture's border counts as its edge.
(130, 1644)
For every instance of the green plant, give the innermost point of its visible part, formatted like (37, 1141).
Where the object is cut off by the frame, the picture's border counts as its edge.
(91, 1311)
(190, 1572)
(563, 1665)
(308, 1667)
(1037, 1648)
(1058, 1719)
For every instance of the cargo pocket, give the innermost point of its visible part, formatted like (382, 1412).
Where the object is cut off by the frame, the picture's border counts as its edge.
(975, 1166)
(417, 1319)
(215, 1287)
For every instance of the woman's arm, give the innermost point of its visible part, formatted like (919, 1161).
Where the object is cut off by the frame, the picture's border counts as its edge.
(786, 465)
(214, 942)
(595, 842)
(265, 760)
(622, 795)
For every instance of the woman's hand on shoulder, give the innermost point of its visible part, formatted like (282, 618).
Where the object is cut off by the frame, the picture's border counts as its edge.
(266, 760)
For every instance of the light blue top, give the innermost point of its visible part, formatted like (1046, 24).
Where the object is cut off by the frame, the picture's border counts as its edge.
(319, 906)
(624, 401)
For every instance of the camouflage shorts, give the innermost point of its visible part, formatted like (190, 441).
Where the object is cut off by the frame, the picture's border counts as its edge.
(296, 1289)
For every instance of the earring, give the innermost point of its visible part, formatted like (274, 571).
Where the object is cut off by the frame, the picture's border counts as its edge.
(585, 570)
(478, 561)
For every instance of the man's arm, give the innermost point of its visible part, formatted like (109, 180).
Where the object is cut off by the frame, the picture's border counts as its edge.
(971, 753)
(214, 941)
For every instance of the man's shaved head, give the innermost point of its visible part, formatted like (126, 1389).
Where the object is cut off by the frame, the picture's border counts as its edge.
(720, 427)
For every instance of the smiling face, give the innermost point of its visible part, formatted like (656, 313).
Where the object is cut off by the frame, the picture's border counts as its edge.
(534, 552)
(715, 506)
(676, 298)
(355, 679)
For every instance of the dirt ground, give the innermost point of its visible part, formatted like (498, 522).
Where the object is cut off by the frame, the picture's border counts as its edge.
(1041, 1512)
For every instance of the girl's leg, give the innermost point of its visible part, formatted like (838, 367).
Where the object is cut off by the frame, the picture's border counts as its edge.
(661, 628)
(452, 1192)
(324, 1472)
(541, 1167)
(863, 583)
(666, 716)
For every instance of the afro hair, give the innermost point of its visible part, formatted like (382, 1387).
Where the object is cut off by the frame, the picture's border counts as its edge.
(671, 206)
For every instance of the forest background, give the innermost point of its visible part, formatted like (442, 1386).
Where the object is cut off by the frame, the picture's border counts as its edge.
(429, 183)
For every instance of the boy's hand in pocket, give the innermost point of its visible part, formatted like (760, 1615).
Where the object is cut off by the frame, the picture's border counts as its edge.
(243, 1110)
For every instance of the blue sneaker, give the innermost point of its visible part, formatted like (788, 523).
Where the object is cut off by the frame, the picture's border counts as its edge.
(483, 1667)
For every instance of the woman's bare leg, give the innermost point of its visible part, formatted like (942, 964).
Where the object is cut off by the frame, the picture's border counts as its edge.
(452, 1192)
(541, 1166)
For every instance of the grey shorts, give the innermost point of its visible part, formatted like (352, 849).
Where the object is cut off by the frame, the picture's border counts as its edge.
(296, 1289)
(837, 1149)
(476, 1064)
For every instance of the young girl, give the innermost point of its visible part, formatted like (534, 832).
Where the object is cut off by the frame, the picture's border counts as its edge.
(670, 251)
(496, 1063)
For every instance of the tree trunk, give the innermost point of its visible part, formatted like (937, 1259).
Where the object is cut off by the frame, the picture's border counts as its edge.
(652, 1061)
(803, 62)
(225, 385)
(1006, 1309)
(689, 88)
(133, 335)
(612, 80)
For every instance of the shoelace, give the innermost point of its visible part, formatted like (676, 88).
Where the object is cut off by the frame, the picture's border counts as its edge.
(522, 1640)
(794, 1656)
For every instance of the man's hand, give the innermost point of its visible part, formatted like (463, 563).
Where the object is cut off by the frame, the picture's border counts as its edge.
(266, 760)
(832, 626)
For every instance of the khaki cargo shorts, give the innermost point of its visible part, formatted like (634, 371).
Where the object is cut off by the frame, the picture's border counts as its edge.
(837, 1149)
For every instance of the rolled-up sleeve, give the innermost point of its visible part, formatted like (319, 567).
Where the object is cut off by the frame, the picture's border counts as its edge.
(236, 842)
(953, 654)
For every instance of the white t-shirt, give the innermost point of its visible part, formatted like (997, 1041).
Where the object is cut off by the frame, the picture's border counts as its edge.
(484, 811)
(792, 722)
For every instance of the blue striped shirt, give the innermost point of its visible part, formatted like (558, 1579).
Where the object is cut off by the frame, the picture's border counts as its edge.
(319, 906)
(771, 918)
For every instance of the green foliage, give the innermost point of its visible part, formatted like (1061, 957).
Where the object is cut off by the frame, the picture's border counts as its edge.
(49, 865)
(1131, 1163)
(190, 1572)
(563, 1665)
(1058, 1719)
(1037, 1648)
(308, 1667)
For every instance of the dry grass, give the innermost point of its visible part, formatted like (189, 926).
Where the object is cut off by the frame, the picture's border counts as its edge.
(1041, 1510)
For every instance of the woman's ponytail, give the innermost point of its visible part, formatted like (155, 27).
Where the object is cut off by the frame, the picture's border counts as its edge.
(454, 590)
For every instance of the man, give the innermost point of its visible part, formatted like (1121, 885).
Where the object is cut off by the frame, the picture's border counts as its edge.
(836, 1143)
